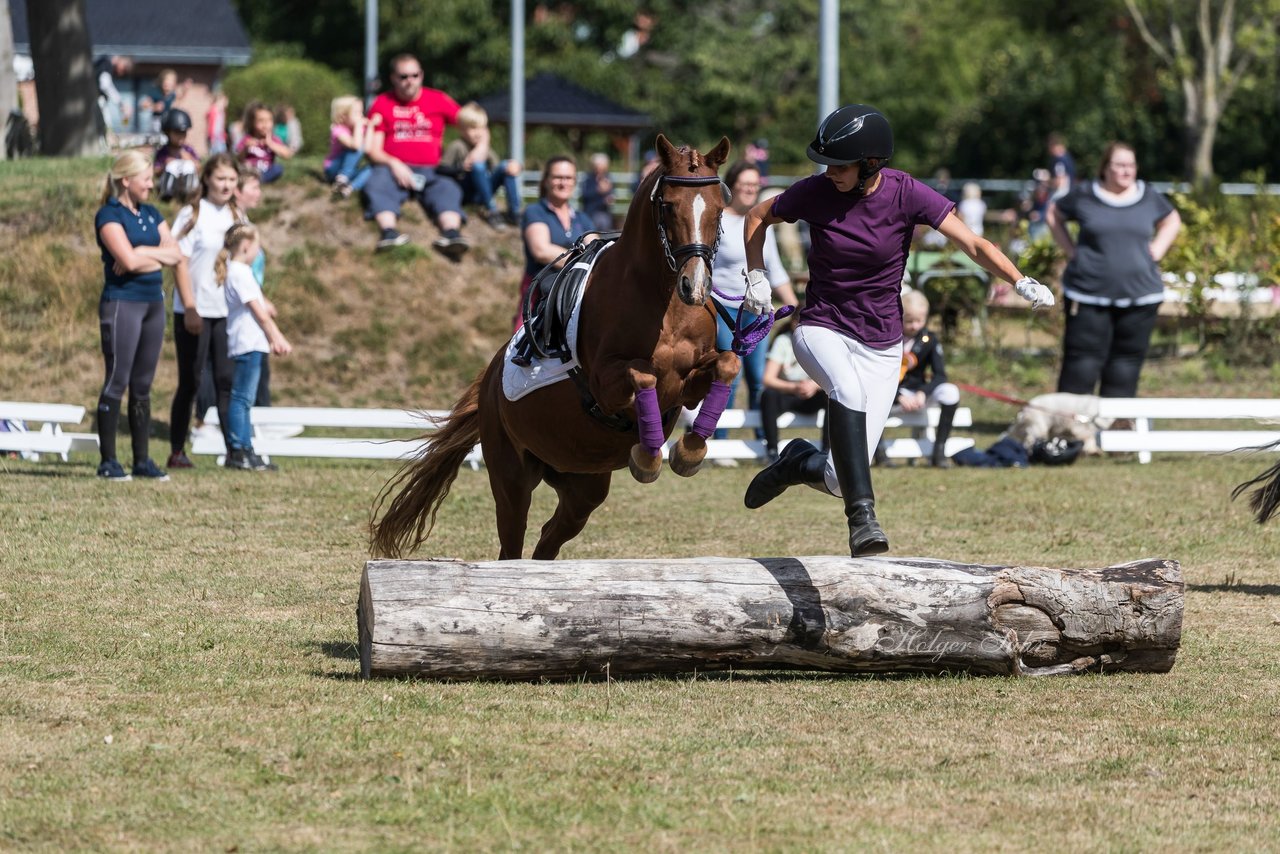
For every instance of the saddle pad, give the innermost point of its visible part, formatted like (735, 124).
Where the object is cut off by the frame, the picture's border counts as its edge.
(518, 381)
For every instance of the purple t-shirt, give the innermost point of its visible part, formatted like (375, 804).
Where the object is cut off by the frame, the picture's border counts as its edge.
(858, 251)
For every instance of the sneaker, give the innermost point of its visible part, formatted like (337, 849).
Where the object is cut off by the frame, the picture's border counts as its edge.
(148, 470)
(496, 220)
(238, 459)
(259, 464)
(112, 470)
(179, 460)
(452, 248)
(391, 240)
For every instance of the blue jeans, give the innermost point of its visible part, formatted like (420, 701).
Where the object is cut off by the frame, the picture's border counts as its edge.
(479, 186)
(244, 388)
(348, 164)
(752, 364)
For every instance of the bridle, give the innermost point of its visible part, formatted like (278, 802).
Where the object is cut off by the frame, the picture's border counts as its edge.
(678, 256)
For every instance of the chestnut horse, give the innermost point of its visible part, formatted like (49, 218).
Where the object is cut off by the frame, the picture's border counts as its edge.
(646, 346)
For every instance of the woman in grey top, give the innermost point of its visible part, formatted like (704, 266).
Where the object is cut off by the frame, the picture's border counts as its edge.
(1112, 286)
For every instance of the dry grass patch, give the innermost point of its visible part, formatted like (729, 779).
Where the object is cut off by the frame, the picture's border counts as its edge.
(207, 627)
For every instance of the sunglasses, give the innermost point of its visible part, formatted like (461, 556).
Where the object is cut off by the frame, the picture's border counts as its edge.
(413, 76)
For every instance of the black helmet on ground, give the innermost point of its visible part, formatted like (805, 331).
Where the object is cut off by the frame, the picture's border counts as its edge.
(175, 120)
(851, 134)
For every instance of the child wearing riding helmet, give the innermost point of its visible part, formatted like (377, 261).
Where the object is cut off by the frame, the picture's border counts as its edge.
(177, 165)
(849, 335)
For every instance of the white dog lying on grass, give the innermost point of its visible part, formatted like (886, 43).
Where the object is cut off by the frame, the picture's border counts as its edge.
(1060, 416)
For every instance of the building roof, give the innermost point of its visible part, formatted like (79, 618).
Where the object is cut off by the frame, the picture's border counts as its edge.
(192, 32)
(549, 99)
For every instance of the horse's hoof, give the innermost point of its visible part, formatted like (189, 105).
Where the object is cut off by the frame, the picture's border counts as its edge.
(644, 467)
(687, 455)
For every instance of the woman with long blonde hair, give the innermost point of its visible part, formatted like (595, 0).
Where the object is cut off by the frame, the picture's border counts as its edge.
(136, 245)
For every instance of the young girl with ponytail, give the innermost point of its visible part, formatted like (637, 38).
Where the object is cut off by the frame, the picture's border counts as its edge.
(251, 335)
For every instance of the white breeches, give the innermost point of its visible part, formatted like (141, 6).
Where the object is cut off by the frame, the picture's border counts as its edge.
(946, 394)
(852, 374)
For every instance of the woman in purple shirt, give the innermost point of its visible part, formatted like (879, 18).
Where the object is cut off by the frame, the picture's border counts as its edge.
(849, 337)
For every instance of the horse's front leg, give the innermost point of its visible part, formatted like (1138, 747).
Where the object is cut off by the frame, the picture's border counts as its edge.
(646, 455)
(688, 453)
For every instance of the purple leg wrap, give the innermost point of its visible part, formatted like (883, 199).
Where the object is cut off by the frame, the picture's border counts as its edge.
(712, 408)
(650, 418)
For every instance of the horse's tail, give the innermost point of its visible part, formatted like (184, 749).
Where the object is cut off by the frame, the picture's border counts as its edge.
(1265, 500)
(423, 482)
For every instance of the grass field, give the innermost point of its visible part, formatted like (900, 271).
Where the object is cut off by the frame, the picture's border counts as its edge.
(178, 667)
(179, 672)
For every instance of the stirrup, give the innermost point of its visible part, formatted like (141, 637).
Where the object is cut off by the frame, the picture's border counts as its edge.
(523, 355)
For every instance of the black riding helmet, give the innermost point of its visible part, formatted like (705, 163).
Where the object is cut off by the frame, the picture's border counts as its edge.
(851, 134)
(176, 120)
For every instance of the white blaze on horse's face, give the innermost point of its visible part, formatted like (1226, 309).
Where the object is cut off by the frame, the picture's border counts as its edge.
(695, 277)
(699, 207)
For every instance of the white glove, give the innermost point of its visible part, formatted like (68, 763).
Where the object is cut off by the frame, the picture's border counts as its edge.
(1033, 292)
(759, 296)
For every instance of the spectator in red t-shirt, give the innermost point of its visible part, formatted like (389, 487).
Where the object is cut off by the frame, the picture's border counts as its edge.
(404, 149)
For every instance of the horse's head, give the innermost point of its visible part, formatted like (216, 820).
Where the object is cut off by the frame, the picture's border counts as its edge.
(688, 198)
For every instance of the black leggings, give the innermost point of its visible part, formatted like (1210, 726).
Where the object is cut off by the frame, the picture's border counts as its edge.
(132, 338)
(1105, 344)
(773, 403)
(193, 353)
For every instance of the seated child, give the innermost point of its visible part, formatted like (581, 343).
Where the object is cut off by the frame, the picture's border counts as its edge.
(177, 166)
(787, 388)
(924, 375)
(260, 146)
(288, 127)
(251, 334)
(348, 136)
(473, 164)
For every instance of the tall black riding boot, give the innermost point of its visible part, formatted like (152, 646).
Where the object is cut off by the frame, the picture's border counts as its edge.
(140, 428)
(946, 418)
(853, 471)
(108, 419)
(799, 462)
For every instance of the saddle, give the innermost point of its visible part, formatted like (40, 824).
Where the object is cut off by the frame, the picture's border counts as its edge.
(549, 303)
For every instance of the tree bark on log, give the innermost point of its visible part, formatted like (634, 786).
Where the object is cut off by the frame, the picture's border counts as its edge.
(534, 619)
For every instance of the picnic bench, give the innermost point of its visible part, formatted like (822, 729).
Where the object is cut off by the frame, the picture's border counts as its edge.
(1144, 440)
(50, 438)
(277, 432)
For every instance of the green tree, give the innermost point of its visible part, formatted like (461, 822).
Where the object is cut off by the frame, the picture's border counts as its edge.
(1210, 48)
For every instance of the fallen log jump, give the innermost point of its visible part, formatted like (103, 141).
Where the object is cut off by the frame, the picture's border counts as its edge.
(527, 619)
